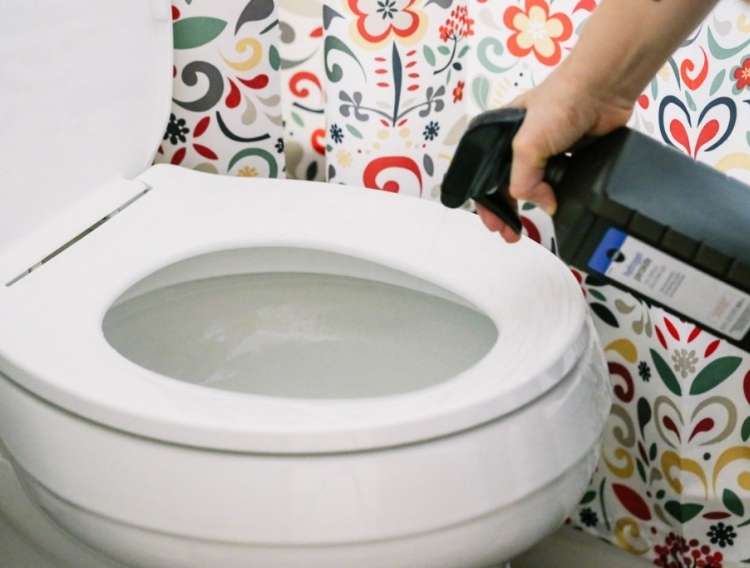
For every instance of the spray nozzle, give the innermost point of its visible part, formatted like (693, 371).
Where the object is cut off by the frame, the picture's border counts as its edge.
(480, 168)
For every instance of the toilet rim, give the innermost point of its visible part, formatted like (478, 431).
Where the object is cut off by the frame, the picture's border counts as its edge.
(450, 249)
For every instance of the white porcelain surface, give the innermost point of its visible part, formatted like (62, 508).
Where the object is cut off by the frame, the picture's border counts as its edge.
(465, 472)
(523, 290)
(470, 499)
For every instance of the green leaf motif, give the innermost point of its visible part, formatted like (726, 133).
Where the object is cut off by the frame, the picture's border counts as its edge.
(665, 372)
(194, 32)
(732, 502)
(715, 373)
(273, 167)
(720, 52)
(682, 512)
(491, 46)
(443, 49)
(480, 90)
(718, 80)
(334, 72)
(298, 120)
(745, 430)
(744, 524)
(353, 131)
(675, 71)
(597, 295)
(464, 50)
(604, 314)
(588, 497)
(690, 102)
(641, 470)
(429, 55)
(274, 58)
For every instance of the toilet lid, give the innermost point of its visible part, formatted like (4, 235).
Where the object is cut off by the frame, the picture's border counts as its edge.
(94, 78)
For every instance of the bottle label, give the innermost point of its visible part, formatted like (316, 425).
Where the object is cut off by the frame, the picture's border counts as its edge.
(673, 283)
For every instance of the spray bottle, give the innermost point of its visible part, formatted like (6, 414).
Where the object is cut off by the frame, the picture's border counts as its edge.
(639, 214)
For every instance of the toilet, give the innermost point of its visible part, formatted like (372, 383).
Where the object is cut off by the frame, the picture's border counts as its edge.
(211, 371)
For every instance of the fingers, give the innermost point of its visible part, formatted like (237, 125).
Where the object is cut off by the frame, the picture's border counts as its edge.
(542, 194)
(527, 175)
(527, 171)
(496, 225)
(509, 235)
(490, 220)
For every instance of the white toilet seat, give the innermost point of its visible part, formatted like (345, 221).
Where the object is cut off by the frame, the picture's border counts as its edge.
(69, 363)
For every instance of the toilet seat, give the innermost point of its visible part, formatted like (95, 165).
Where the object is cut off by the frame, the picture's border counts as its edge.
(55, 347)
(74, 367)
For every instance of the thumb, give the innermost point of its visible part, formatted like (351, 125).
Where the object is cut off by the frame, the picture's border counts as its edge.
(527, 171)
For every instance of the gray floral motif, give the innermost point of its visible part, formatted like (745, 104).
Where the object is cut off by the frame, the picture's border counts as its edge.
(352, 105)
(176, 130)
(722, 534)
(387, 9)
(431, 130)
(589, 517)
(684, 362)
(337, 135)
(644, 371)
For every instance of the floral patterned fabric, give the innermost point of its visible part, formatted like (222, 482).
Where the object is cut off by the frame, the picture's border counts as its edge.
(377, 93)
(226, 113)
(303, 88)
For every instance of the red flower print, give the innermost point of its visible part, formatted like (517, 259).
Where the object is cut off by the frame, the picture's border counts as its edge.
(458, 92)
(458, 25)
(535, 29)
(377, 20)
(676, 552)
(742, 74)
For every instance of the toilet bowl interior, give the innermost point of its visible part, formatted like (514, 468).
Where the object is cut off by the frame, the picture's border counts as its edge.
(297, 322)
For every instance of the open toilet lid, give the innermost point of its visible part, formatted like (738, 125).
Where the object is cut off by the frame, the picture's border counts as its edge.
(94, 78)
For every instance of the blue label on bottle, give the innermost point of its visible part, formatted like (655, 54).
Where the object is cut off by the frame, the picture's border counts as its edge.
(606, 253)
(672, 283)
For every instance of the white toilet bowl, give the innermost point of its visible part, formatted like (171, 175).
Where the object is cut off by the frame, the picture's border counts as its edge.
(203, 371)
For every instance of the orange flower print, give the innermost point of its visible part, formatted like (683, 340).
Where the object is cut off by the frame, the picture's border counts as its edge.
(378, 20)
(535, 29)
(458, 92)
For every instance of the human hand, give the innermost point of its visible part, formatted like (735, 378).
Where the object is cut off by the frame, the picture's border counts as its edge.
(559, 112)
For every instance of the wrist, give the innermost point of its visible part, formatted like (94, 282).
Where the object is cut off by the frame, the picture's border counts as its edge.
(606, 84)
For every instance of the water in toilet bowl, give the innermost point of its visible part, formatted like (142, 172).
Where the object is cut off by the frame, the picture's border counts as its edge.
(301, 335)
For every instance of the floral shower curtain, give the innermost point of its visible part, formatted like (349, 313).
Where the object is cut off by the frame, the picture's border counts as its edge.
(376, 93)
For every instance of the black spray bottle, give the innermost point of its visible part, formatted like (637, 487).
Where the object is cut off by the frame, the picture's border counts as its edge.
(638, 213)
